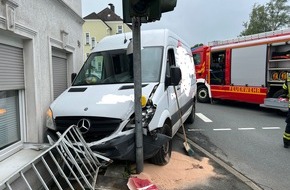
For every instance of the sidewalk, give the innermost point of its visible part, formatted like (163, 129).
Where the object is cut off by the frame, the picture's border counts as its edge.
(202, 171)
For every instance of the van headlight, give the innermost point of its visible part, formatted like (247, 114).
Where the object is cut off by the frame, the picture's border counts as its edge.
(49, 120)
(148, 112)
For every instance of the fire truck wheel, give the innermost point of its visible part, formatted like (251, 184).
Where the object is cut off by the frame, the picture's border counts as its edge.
(202, 94)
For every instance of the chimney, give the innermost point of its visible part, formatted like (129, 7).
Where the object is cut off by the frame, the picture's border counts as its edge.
(112, 7)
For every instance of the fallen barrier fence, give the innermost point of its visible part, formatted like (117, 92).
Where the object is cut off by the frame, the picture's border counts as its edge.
(67, 164)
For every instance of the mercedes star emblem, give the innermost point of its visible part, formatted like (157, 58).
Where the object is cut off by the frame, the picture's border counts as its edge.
(84, 125)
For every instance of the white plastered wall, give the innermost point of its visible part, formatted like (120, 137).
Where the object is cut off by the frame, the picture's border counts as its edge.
(39, 26)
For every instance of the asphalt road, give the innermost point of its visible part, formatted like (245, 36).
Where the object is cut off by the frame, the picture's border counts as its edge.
(248, 138)
(225, 178)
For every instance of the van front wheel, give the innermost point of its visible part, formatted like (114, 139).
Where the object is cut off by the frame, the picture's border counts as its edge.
(162, 157)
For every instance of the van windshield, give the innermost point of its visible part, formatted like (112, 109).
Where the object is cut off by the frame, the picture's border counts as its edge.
(111, 67)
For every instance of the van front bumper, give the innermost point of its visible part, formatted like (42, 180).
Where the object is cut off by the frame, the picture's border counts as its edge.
(123, 147)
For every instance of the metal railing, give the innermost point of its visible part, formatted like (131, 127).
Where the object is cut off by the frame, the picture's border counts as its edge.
(68, 164)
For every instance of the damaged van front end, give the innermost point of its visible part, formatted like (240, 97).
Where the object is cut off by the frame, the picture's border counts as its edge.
(113, 136)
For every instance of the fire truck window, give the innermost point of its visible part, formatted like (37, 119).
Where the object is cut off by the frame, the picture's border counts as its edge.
(196, 58)
(217, 68)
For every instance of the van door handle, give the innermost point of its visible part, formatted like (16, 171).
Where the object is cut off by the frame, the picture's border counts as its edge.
(178, 88)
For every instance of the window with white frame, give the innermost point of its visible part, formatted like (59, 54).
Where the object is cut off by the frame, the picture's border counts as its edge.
(120, 29)
(93, 42)
(11, 94)
(9, 118)
(87, 38)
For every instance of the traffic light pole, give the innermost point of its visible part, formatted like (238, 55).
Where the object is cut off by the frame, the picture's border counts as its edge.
(136, 22)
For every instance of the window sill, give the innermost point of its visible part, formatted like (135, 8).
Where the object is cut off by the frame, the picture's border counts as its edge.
(14, 163)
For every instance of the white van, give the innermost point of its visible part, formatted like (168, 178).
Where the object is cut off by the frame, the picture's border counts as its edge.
(101, 99)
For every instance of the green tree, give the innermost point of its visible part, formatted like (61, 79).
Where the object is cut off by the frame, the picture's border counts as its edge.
(278, 14)
(274, 15)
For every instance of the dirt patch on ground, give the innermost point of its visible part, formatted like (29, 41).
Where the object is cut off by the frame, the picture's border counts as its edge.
(182, 172)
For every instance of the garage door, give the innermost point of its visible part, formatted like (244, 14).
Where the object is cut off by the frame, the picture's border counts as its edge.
(59, 69)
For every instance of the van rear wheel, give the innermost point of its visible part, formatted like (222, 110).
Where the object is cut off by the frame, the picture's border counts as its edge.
(162, 157)
(202, 94)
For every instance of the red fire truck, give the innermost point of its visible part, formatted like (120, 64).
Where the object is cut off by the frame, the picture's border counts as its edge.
(248, 69)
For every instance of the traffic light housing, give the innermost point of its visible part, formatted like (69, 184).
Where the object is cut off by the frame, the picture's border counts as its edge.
(147, 10)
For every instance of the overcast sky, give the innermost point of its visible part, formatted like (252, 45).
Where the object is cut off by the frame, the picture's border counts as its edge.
(196, 21)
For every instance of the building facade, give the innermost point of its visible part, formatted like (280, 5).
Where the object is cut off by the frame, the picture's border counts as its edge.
(40, 45)
(98, 26)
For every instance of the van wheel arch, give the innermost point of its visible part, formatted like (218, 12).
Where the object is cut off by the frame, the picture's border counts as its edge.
(163, 155)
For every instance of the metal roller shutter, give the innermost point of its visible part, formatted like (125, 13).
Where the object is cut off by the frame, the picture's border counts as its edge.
(59, 67)
(11, 68)
(249, 57)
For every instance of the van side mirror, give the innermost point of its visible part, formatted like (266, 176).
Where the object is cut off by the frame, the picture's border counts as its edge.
(73, 76)
(175, 75)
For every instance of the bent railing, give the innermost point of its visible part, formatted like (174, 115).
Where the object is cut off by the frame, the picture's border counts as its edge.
(68, 164)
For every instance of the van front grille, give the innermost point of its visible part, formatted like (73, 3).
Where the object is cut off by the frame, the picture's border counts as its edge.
(100, 128)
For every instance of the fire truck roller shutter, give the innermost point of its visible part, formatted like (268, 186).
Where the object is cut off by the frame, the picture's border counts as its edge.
(249, 65)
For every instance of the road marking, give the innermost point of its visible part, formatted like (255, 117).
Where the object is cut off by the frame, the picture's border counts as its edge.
(195, 129)
(203, 117)
(223, 129)
(240, 129)
(271, 128)
(244, 129)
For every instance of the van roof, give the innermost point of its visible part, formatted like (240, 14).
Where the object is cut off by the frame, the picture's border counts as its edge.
(155, 37)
